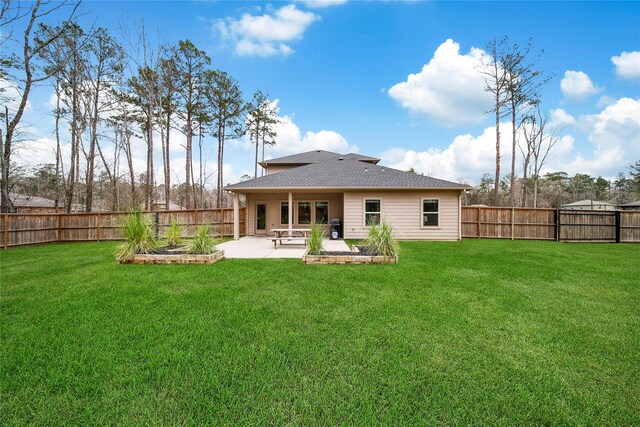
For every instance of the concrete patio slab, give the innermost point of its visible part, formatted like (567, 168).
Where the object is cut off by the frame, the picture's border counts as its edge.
(262, 247)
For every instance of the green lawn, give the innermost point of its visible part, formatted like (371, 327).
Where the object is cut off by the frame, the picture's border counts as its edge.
(471, 332)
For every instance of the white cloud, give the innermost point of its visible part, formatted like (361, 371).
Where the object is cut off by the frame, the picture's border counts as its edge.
(615, 136)
(317, 4)
(627, 65)
(560, 117)
(449, 89)
(11, 95)
(265, 35)
(576, 85)
(466, 158)
(291, 140)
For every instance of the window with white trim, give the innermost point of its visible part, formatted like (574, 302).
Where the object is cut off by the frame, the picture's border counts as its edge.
(372, 212)
(430, 212)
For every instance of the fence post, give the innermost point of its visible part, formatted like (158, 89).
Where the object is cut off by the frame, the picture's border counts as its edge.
(5, 230)
(513, 225)
(617, 217)
(557, 216)
(479, 228)
(98, 227)
(157, 223)
(59, 227)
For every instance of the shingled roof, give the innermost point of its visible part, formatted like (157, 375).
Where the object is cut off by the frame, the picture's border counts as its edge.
(343, 172)
(314, 157)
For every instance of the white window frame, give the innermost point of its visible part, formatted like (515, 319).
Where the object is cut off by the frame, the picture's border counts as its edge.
(422, 212)
(364, 210)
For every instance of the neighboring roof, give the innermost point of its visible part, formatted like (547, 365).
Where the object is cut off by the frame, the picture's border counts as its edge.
(587, 202)
(630, 204)
(344, 174)
(314, 157)
(24, 201)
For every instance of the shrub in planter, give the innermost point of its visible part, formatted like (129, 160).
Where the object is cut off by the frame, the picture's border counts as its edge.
(315, 241)
(381, 240)
(139, 236)
(174, 234)
(202, 242)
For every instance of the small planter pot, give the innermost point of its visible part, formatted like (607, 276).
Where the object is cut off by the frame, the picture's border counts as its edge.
(177, 258)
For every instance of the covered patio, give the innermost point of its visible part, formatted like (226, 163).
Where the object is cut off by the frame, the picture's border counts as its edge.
(262, 247)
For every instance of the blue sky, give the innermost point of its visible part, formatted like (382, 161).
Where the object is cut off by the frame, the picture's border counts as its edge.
(340, 75)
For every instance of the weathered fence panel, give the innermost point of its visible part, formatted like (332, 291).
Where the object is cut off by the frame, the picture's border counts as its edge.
(587, 226)
(31, 228)
(629, 226)
(508, 223)
(550, 224)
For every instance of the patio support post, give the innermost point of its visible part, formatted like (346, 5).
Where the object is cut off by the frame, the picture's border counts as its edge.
(236, 216)
(290, 209)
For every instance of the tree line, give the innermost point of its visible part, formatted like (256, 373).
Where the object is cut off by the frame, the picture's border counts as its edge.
(555, 189)
(105, 92)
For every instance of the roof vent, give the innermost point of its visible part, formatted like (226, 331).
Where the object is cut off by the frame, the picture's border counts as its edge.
(366, 170)
(340, 158)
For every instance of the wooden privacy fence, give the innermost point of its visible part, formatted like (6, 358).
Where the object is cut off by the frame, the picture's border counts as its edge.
(563, 225)
(34, 228)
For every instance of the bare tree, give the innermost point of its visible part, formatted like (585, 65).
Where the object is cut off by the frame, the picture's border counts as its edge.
(539, 143)
(523, 83)
(30, 51)
(102, 73)
(495, 80)
(260, 123)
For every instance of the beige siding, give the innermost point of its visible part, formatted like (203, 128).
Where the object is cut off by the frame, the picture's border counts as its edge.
(273, 207)
(403, 209)
(279, 168)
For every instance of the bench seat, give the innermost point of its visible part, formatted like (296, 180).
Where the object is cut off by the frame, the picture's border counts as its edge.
(275, 240)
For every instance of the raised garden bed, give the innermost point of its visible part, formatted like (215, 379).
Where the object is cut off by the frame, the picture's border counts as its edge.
(174, 255)
(359, 255)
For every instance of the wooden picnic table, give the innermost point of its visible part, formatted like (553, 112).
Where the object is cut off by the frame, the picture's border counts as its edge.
(289, 235)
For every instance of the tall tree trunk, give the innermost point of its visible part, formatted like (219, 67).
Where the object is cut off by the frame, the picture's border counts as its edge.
(5, 201)
(149, 183)
(512, 186)
(167, 169)
(92, 148)
(132, 176)
(496, 184)
(201, 171)
(74, 139)
(187, 182)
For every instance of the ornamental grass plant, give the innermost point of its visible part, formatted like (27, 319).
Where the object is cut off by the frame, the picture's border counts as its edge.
(174, 233)
(202, 242)
(139, 236)
(381, 239)
(315, 241)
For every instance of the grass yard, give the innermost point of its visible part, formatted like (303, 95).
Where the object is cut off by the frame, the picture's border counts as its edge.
(471, 332)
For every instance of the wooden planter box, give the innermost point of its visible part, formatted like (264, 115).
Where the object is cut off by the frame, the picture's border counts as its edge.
(175, 258)
(348, 259)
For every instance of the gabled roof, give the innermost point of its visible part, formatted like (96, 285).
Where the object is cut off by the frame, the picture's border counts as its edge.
(25, 201)
(587, 202)
(631, 204)
(314, 157)
(344, 174)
